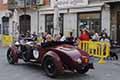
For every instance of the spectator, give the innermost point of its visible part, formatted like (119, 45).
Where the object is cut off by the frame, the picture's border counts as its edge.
(84, 36)
(57, 37)
(104, 38)
(21, 36)
(70, 38)
(34, 36)
(49, 38)
(44, 34)
(95, 36)
(103, 32)
(28, 35)
(77, 40)
(63, 38)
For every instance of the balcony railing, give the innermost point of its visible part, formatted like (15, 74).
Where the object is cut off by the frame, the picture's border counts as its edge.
(23, 3)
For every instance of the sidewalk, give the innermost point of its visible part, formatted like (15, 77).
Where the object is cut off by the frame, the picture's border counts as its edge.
(116, 62)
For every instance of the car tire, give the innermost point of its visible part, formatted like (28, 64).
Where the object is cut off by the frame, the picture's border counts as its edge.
(83, 70)
(49, 67)
(12, 59)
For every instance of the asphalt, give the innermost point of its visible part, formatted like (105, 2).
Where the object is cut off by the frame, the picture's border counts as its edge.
(26, 71)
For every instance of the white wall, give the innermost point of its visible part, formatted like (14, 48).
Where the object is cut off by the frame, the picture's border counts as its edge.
(5, 1)
(70, 23)
(42, 23)
(34, 21)
(53, 3)
(106, 19)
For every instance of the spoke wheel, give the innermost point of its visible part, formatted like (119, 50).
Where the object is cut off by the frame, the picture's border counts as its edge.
(10, 57)
(50, 67)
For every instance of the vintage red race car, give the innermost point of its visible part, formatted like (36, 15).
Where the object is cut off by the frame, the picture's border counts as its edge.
(54, 57)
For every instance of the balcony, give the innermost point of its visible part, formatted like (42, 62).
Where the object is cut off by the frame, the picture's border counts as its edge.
(12, 4)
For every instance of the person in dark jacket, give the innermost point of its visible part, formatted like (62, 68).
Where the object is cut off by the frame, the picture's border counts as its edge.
(70, 38)
(34, 36)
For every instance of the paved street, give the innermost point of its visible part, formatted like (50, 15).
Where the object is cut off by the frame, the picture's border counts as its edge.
(23, 71)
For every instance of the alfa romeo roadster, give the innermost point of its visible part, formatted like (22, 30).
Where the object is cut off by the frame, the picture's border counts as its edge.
(54, 57)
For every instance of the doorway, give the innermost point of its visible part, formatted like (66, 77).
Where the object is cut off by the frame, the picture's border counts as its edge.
(25, 24)
(118, 27)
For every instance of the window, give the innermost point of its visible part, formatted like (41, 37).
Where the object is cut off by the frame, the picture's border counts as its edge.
(92, 21)
(61, 20)
(49, 23)
(5, 23)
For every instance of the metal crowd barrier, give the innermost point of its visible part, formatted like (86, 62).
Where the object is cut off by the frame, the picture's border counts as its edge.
(7, 40)
(96, 49)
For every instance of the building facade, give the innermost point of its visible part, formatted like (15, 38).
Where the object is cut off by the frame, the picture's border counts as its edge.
(96, 15)
(66, 16)
(25, 16)
(4, 18)
(78, 14)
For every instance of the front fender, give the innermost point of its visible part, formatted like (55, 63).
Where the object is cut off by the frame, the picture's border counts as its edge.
(14, 52)
(56, 59)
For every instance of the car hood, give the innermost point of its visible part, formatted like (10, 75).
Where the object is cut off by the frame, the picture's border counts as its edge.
(69, 51)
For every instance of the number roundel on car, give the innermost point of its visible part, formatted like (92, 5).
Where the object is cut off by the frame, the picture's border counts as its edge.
(36, 54)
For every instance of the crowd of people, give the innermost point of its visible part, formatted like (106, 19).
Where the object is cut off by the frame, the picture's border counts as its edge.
(85, 35)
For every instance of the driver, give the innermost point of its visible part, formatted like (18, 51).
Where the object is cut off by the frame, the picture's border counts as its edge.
(49, 38)
(48, 42)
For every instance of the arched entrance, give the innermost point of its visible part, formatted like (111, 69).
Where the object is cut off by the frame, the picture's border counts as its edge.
(5, 25)
(25, 22)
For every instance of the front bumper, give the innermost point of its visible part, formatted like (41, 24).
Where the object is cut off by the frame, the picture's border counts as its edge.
(81, 66)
